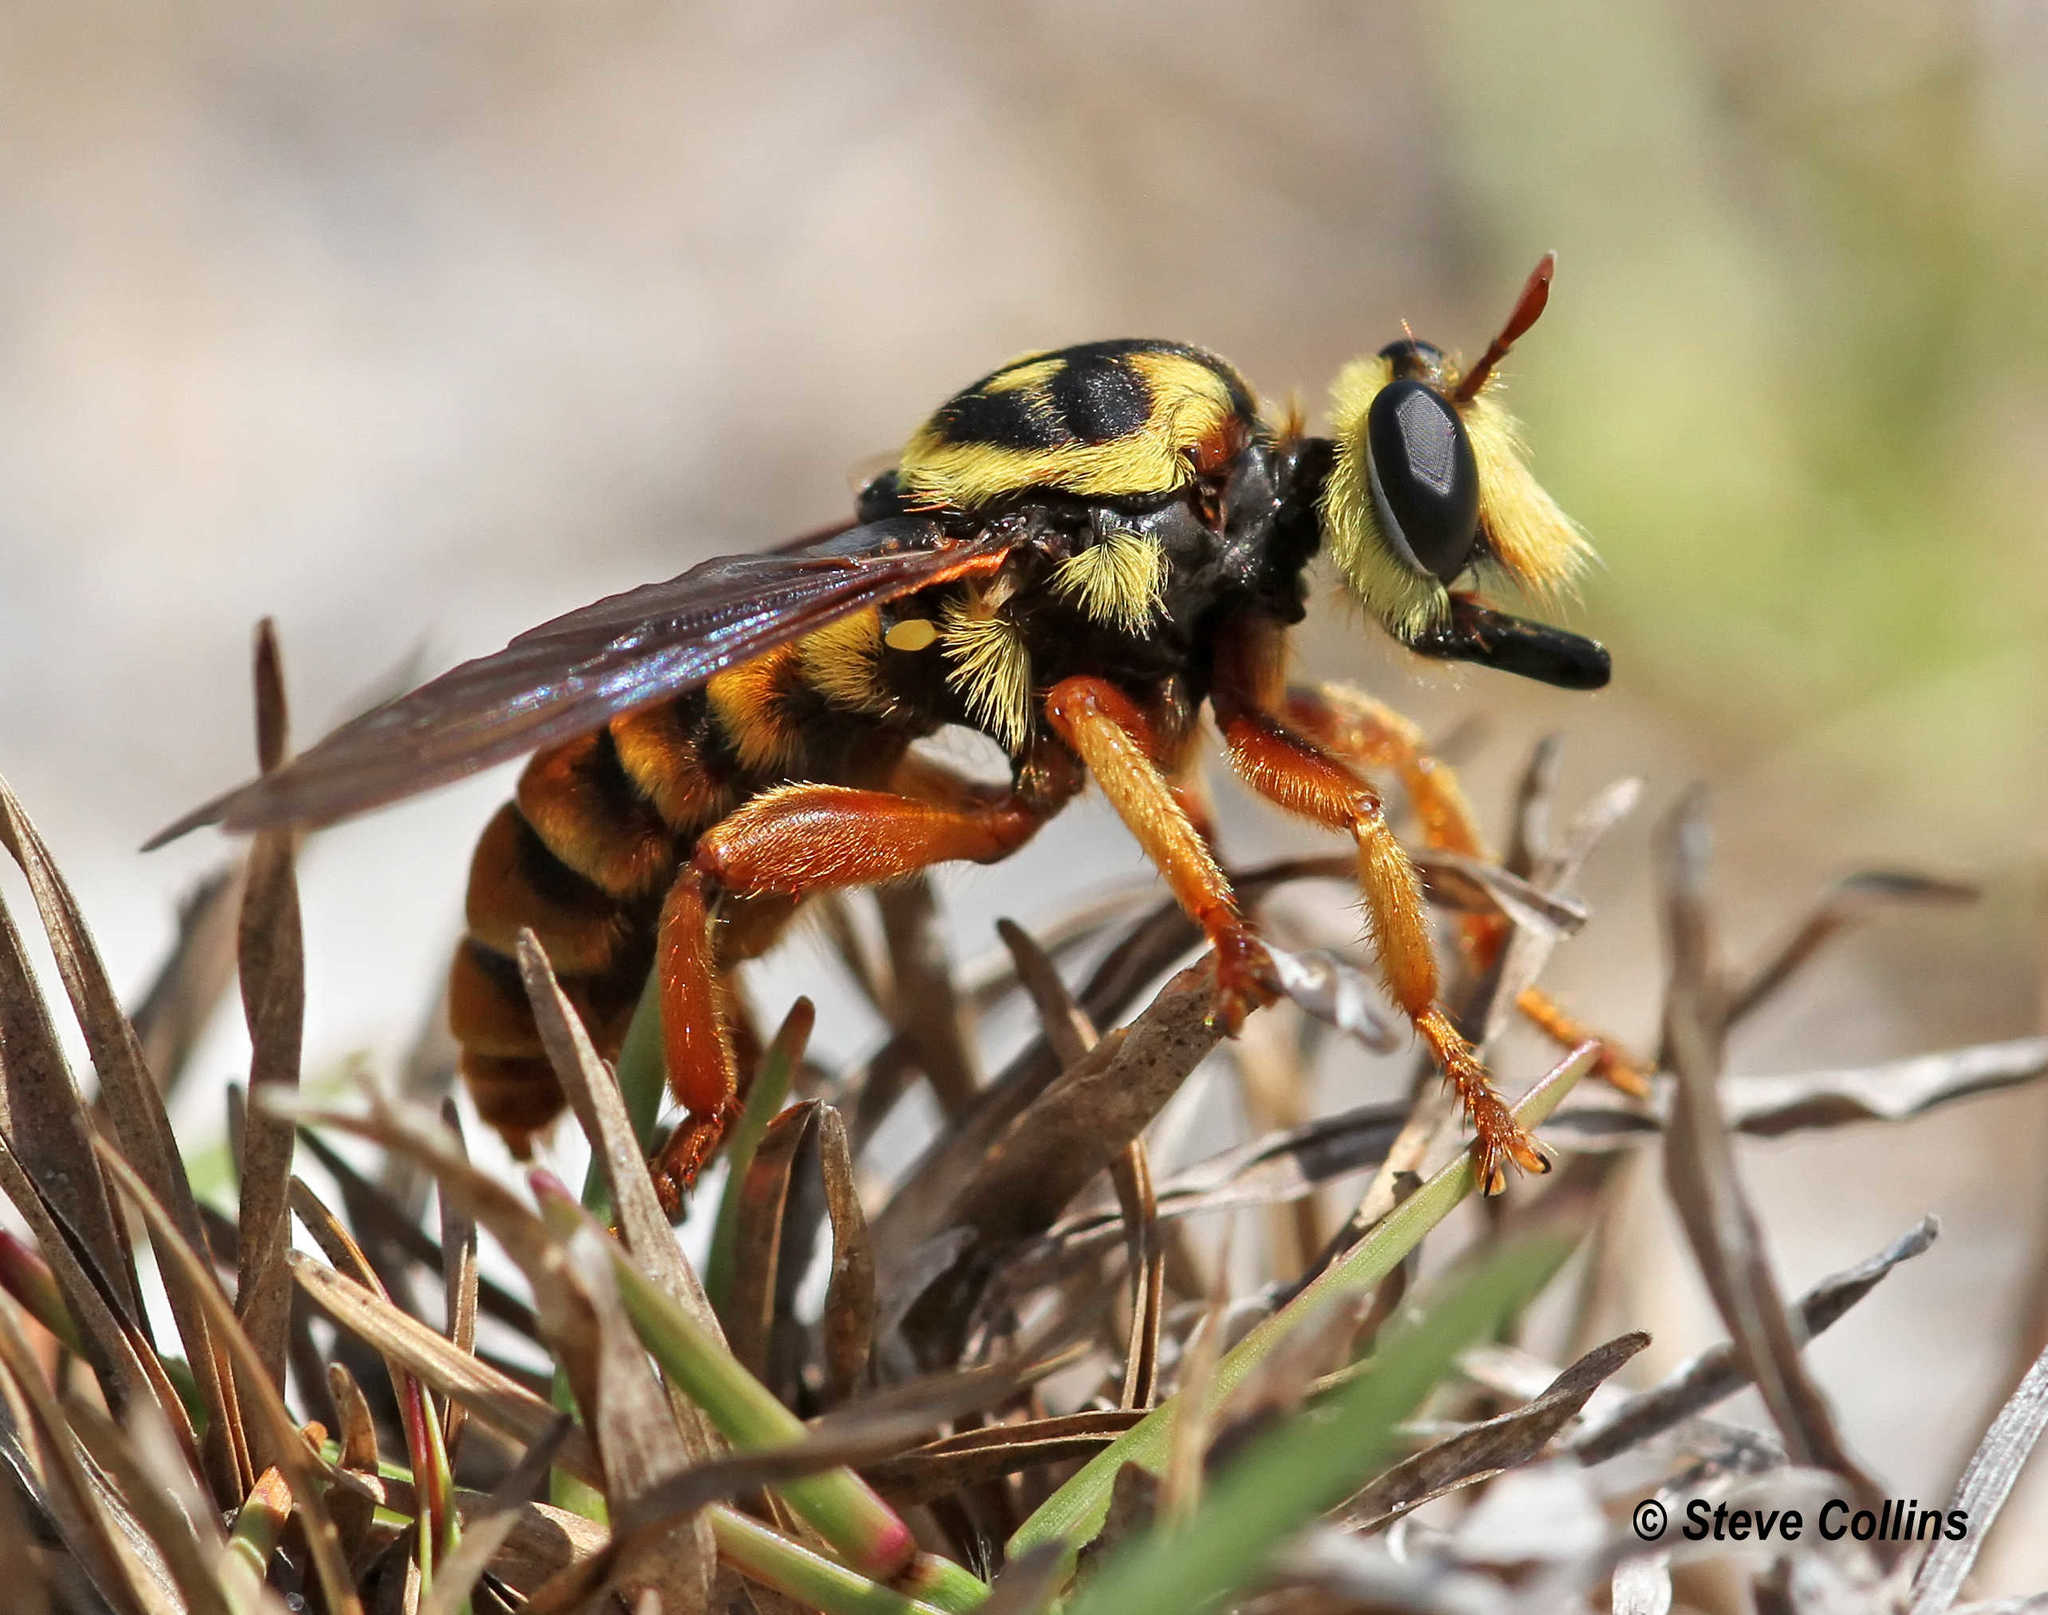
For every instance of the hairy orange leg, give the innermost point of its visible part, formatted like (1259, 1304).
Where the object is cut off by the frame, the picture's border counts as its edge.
(1117, 742)
(788, 843)
(1293, 772)
(1368, 734)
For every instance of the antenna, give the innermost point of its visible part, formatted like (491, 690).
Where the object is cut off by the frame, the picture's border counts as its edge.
(1528, 309)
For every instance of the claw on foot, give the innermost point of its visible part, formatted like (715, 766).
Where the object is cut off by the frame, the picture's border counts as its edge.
(1245, 980)
(1498, 1142)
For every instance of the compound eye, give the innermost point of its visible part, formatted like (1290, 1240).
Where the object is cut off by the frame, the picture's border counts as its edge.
(1425, 483)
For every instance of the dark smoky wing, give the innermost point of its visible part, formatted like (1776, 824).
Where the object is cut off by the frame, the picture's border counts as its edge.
(568, 676)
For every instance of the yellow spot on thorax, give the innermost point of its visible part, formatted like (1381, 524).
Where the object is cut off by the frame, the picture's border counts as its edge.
(911, 634)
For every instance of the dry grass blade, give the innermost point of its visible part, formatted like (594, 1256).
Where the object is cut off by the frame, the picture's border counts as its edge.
(1028, 1583)
(1279, 1166)
(1474, 886)
(371, 1210)
(20, 1550)
(179, 1001)
(1082, 1123)
(1132, 1174)
(282, 1435)
(1850, 899)
(1773, 1105)
(954, 1462)
(848, 1325)
(1987, 1480)
(1552, 869)
(44, 1119)
(162, 1499)
(491, 1396)
(135, 1111)
(687, 1494)
(1072, 1036)
(122, 1358)
(1700, 1169)
(1336, 994)
(106, 1544)
(355, 1512)
(1485, 1449)
(458, 1280)
(1722, 1371)
(626, 1410)
(600, 1111)
(1074, 1131)
(487, 1526)
(271, 952)
(759, 1243)
(928, 1008)
(425, 1444)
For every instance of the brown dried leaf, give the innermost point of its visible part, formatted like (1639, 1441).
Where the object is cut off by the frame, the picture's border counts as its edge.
(927, 1007)
(489, 1523)
(1720, 1371)
(1700, 1169)
(134, 1108)
(19, 1552)
(1483, 1450)
(372, 1211)
(356, 1430)
(1773, 1105)
(200, 967)
(1987, 1481)
(1069, 1135)
(1850, 899)
(271, 953)
(458, 1281)
(601, 1112)
(848, 1325)
(122, 1358)
(759, 1243)
(1082, 1123)
(301, 1469)
(626, 1408)
(952, 1463)
(490, 1395)
(1029, 1583)
(43, 1117)
(96, 1529)
(164, 1502)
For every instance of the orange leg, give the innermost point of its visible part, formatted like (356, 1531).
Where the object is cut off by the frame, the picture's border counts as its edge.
(1117, 742)
(1367, 734)
(1293, 772)
(790, 842)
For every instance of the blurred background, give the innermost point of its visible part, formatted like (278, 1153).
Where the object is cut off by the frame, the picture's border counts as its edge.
(412, 326)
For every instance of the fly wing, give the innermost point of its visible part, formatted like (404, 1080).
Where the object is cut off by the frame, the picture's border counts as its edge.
(568, 676)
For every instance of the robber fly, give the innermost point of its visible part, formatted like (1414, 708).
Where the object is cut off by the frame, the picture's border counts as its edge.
(1074, 556)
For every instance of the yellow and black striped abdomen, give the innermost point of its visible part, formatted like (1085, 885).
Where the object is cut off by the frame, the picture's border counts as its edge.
(1106, 420)
(597, 830)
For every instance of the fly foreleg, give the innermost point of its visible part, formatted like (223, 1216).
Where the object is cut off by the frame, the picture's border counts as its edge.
(1294, 773)
(1113, 737)
(1367, 734)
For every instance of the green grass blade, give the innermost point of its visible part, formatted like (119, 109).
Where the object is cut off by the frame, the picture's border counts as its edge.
(765, 1098)
(1074, 1513)
(1315, 1460)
